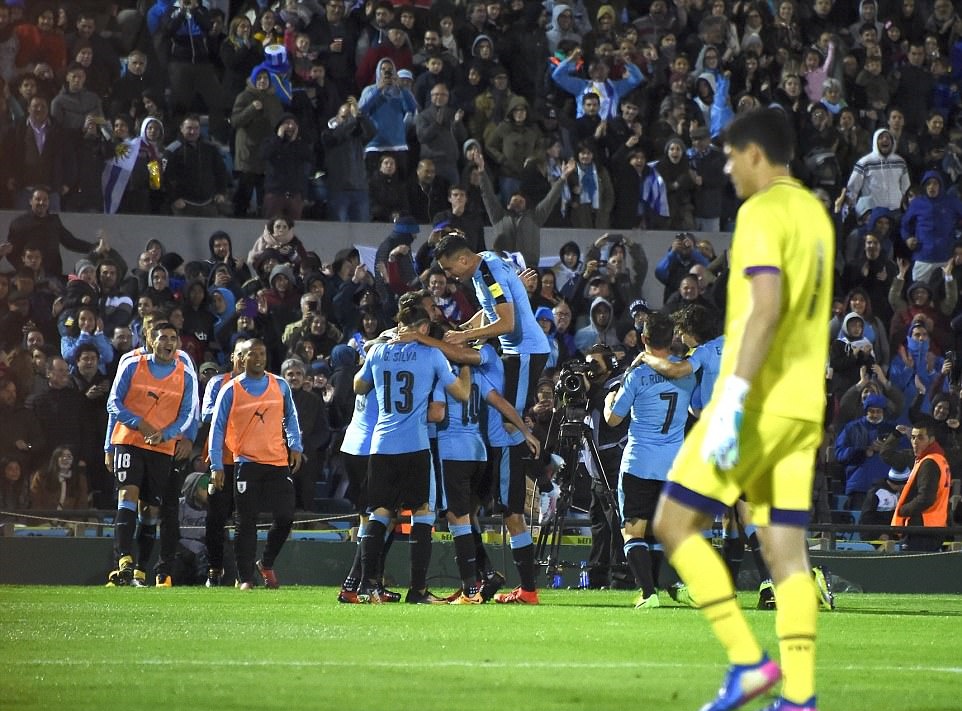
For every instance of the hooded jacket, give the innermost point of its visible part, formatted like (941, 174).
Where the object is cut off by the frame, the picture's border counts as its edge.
(591, 334)
(253, 125)
(387, 108)
(932, 221)
(882, 178)
(555, 34)
(512, 143)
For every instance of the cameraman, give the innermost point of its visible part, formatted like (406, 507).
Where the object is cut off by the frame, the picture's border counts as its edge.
(607, 566)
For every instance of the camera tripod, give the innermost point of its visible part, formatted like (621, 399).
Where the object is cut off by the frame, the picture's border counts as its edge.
(573, 435)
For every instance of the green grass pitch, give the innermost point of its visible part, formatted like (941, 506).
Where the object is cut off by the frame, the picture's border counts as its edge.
(75, 648)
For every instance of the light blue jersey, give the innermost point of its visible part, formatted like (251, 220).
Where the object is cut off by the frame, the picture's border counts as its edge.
(706, 360)
(459, 434)
(496, 282)
(491, 370)
(658, 408)
(357, 436)
(403, 376)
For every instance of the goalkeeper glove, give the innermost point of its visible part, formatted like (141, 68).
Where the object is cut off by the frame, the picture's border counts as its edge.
(720, 446)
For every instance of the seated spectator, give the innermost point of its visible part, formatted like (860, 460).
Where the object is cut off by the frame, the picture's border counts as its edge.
(278, 236)
(14, 485)
(86, 327)
(61, 485)
(880, 501)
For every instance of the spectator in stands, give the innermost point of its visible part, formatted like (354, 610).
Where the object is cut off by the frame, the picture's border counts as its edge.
(195, 173)
(427, 195)
(600, 328)
(881, 176)
(86, 327)
(61, 485)
(278, 237)
(881, 498)
(873, 330)
(680, 184)
(386, 103)
(344, 139)
(871, 271)
(40, 228)
(517, 228)
(858, 448)
(185, 28)
(708, 167)
(590, 194)
(37, 154)
(929, 226)
(388, 196)
(922, 304)
(21, 437)
(915, 368)
(74, 102)
(288, 160)
(14, 484)
(256, 112)
(512, 142)
(40, 43)
(850, 351)
(677, 262)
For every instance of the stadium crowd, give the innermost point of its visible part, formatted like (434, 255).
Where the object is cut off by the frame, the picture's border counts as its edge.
(520, 115)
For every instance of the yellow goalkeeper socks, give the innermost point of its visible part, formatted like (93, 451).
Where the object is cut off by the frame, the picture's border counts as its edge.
(795, 619)
(711, 588)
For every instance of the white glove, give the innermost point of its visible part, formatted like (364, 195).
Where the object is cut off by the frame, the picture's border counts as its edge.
(720, 445)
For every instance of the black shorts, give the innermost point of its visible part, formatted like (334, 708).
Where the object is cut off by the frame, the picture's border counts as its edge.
(638, 498)
(509, 467)
(460, 483)
(521, 375)
(397, 481)
(356, 467)
(149, 471)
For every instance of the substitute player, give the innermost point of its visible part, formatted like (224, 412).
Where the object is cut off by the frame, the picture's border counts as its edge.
(150, 404)
(220, 502)
(255, 418)
(760, 432)
(658, 408)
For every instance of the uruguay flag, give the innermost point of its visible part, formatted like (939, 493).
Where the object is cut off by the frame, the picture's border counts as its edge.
(117, 173)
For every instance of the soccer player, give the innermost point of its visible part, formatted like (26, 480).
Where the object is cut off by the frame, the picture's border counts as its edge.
(403, 376)
(220, 502)
(760, 432)
(463, 456)
(505, 313)
(169, 512)
(151, 404)
(255, 418)
(659, 409)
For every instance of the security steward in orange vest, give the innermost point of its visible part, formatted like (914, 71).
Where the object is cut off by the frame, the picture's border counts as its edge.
(220, 502)
(255, 418)
(151, 403)
(924, 500)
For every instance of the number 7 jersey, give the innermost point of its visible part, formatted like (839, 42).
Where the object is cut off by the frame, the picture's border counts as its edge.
(403, 376)
(784, 229)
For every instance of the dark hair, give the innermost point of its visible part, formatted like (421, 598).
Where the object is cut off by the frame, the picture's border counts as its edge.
(659, 330)
(413, 298)
(698, 321)
(768, 129)
(451, 245)
(412, 316)
(87, 347)
(927, 423)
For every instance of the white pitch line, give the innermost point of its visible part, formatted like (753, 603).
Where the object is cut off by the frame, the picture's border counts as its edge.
(438, 664)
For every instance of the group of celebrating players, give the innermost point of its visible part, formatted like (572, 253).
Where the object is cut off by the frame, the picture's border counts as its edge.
(756, 437)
